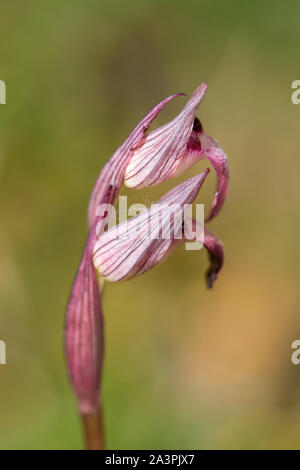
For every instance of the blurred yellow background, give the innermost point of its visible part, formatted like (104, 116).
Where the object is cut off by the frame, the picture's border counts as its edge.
(185, 367)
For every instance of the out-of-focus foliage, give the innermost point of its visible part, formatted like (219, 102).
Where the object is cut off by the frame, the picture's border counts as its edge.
(185, 367)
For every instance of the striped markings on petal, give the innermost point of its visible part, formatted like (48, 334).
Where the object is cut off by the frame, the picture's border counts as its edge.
(113, 171)
(160, 154)
(84, 336)
(138, 244)
(214, 248)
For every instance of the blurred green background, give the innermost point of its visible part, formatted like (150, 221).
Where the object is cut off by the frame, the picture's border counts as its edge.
(185, 367)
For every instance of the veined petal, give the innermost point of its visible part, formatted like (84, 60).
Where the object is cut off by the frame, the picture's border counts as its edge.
(84, 336)
(136, 245)
(218, 159)
(159, 155)
(113, 171)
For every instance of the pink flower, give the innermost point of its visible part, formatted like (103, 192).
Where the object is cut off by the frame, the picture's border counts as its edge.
(84, 328)
(171, 149)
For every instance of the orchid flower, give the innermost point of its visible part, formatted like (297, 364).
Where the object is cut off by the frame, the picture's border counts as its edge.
(84, 339)
(143, 160)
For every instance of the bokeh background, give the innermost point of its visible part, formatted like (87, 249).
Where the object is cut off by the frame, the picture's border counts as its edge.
(185, 367)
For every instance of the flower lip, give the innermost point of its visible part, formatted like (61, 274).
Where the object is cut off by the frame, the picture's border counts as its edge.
(198, 94)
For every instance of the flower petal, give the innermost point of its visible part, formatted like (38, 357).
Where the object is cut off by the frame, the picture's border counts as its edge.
(113, 171)
(84, 336)
(160, 154)
(138, 244)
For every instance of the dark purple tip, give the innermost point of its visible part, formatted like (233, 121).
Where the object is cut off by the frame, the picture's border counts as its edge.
(197, 127)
